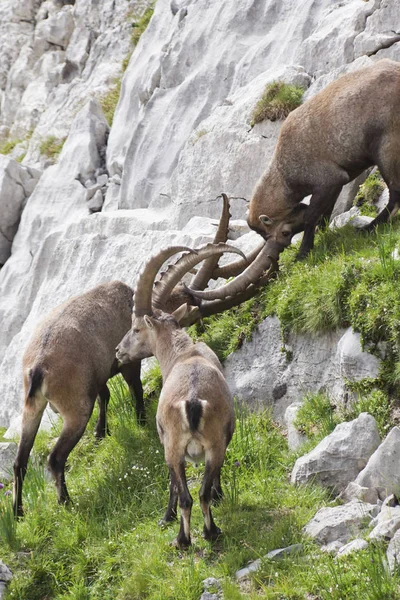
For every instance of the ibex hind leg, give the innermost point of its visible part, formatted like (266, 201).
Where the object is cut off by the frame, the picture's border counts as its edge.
(211, 473)
(31, 417)
(171, 512)
(72, 431)
(183, 540)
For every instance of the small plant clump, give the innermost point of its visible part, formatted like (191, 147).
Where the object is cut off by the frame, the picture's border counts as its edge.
(140, 25)
(370, 191)
(51, 146)
(277, 101)
(110, 100)
(8, 146)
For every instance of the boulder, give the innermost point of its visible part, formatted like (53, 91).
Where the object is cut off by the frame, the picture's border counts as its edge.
(16, 185)
(339, 457)
(353, 546)
(294, 437)
(277, 554)
(8, 452)
(382, 471)
(393, 552)
(339, 523)
(356, 492)
(386, 523)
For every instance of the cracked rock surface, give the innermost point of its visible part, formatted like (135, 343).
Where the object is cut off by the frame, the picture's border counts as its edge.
(181, 134)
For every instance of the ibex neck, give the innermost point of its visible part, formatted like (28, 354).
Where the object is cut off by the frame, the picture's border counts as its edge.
(171, 348)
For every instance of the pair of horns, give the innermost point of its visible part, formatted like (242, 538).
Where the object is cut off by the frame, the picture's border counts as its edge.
(144, 300)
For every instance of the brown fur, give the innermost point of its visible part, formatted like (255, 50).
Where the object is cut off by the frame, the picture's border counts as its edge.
(195, 416)
(67, 362)
(352, 124)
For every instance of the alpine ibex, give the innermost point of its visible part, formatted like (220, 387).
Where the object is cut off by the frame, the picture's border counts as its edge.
(353, 124)
(195, 417)
(67, 362)
(71, 355)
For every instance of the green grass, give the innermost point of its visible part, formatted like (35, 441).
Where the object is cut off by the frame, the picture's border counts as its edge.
(51, 146)
(140, 24)
(109, 545)
(369, 193)
(8, 146)
(109, 100)
(277, 101)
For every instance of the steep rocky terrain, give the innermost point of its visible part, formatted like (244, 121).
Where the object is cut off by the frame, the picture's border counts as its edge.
(181, 132)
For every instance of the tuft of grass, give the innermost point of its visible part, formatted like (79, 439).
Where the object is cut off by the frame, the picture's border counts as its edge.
(316, 417)
(369, 192)
(8, 146)
(277, 101)
(140, 25)
(51, 146)
(110, 100)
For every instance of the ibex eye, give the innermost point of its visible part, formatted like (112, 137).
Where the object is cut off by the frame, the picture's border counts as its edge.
(285, 233)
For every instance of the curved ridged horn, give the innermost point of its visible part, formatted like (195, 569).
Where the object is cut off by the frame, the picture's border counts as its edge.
(145, 280)
(206, 270)
(163, 288)
(217, 306)
(249, 276)
(235, 268)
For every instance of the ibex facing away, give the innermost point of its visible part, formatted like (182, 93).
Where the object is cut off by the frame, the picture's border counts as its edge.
(195, 417)
(352, 124)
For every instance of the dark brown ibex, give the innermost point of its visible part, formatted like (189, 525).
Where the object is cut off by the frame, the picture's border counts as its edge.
(195, 418)
(353, 124)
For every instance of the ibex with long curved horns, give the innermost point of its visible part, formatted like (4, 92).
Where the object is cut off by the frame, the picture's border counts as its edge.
(353, 124)
(195, 418)
(71, 355)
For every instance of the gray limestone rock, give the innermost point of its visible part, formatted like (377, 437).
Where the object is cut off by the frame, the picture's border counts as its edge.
(5, 573)
(339, 522)
(8, 451)
(277, 554)
(16, 185)
(295, 438)
(354, 491)
(393, 552)
(382, 471)
(353, 546)
(339, 457)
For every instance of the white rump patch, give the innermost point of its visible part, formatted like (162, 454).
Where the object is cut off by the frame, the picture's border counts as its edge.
(194, 451)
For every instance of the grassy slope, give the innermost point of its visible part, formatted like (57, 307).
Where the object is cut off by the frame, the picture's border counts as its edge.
(108, 545)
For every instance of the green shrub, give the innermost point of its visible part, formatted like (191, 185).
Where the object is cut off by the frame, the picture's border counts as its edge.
(51, 146)
(140, 25)
(110, 100)
(370, 190)
(8, 146)
(277, 101)
(316, 417)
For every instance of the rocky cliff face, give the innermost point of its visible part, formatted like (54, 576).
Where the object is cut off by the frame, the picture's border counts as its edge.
(181, 132)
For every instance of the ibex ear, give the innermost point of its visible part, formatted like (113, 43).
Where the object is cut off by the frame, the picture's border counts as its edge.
(266, 220)
(180, 312)
(148, 321)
